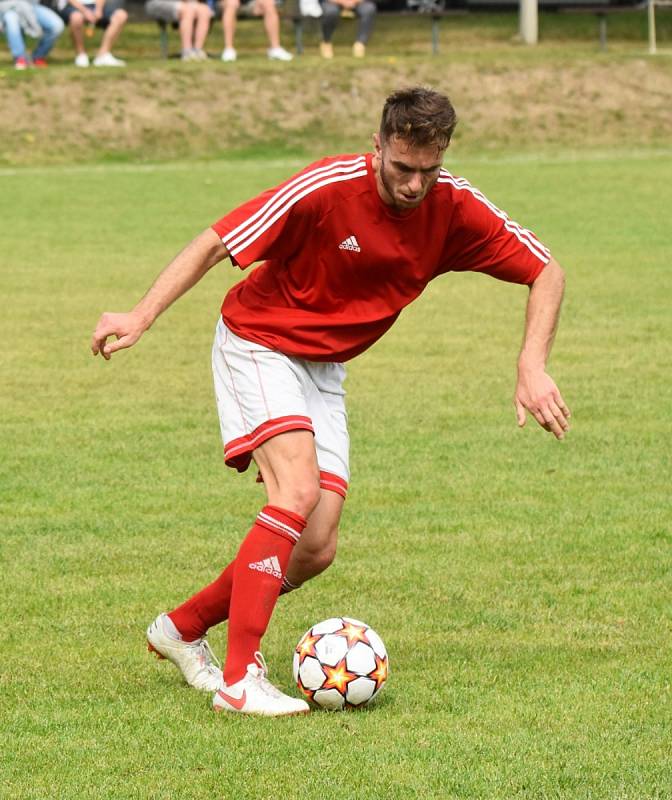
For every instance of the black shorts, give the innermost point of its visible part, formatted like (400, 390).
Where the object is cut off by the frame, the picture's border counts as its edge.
(108, 9)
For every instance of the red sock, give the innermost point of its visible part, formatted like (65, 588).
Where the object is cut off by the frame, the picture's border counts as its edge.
(257, 576)
(206, 608)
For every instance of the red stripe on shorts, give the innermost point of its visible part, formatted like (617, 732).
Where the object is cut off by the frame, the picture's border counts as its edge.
(333, 483)
(238, 452)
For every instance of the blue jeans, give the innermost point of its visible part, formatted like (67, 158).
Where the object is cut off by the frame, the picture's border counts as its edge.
(52, 28)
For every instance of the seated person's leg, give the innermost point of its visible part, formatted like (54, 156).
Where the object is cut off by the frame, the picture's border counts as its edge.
(186, 15)
(75, 22)
(12, 28)
(272, 25)
(113, 20)
(366, 14)
(52, 27)
(331, 13)
(203, 18)
(229, 28)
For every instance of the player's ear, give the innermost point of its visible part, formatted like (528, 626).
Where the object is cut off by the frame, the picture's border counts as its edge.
(376, 142)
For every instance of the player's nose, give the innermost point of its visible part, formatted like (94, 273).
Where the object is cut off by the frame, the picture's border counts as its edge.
(415, 182)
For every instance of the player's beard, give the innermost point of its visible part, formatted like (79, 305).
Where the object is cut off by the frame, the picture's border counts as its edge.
(408, 205)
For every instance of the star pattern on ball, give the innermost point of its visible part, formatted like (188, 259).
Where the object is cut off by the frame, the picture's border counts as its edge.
(306, 647)
(338, 677)
(379, 674)
(353, 633)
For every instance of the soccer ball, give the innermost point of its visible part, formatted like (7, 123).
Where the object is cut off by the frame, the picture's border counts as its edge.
(340, 663)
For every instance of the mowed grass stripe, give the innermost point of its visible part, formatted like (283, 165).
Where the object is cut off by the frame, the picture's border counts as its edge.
(520, 584)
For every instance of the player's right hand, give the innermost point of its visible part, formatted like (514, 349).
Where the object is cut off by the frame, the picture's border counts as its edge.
(127, 327)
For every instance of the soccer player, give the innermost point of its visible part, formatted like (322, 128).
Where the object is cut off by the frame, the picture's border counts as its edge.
(346, 244)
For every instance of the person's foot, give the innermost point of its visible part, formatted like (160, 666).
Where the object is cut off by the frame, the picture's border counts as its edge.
(82, 60)
(187, 55)
(359, 49)
(199, 55)
(195, 660)
(310, 8)
(21, 63)
(279, 54)
(108, 60)
(255, 694)
(326, 50)
(229, 54)
(40, 62)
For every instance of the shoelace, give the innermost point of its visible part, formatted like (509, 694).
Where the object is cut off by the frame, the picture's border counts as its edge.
(264, 683)
(210, 660)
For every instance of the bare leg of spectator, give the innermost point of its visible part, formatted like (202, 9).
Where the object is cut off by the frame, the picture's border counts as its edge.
(187, 17)
(117, 22)
(271, 22)
(229, 23)
(203, 16)
(77, 31)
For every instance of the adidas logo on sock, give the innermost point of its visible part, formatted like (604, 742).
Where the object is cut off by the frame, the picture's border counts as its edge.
(271, 566)
(350, 243)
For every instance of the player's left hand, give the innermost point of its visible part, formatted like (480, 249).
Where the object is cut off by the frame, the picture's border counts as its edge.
(537, 393)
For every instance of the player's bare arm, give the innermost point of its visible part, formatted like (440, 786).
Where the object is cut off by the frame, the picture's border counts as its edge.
(536, 391)
(183, 272)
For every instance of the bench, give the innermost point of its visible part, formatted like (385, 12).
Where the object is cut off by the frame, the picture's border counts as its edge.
(602, 11)
(434, 16)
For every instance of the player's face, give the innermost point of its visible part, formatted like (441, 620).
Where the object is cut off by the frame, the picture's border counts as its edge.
(404, 172)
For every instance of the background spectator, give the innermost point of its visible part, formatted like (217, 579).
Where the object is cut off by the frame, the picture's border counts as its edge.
(271, 23)
(193, 19)
(106, 14)
(19, 17)
(365, 11)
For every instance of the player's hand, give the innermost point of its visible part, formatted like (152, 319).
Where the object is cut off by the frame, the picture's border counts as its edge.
(89, 16)
(537, 393)
(127, 328)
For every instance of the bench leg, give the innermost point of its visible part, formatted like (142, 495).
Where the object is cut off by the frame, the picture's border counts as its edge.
(163, 38)
(298, 35)
(603, 30)
(435, 34)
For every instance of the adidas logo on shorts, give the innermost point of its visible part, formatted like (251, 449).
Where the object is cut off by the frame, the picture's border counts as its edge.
(270, 566)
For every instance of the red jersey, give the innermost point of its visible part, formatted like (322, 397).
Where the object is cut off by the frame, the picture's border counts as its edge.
(340, 264)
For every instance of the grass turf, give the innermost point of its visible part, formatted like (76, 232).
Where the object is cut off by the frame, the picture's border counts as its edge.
(520, 584)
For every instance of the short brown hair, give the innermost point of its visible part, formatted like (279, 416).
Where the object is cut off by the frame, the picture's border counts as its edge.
(420, 116)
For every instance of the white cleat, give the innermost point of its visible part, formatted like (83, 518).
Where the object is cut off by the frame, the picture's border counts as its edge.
(255, 694)
(195, 660)
(229, 54)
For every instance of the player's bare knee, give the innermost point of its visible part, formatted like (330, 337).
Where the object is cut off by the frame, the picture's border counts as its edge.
(306, 496)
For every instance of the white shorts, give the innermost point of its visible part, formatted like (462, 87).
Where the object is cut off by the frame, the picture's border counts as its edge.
(261, 393)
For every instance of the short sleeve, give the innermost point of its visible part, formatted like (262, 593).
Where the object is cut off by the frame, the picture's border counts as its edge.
(486, 240)
(270, 226)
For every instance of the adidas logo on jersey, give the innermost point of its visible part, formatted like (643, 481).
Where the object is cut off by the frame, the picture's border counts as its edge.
(271, 566)
(350, 244)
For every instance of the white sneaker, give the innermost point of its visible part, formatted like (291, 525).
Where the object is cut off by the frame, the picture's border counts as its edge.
(310, 8)
(279, 54)
(195, 660)
(199, 55)
(229, 54)
(255, 694)
(108, 60)
(82, 60)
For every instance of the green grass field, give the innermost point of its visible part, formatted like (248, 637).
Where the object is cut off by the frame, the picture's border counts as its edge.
(522, 585)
